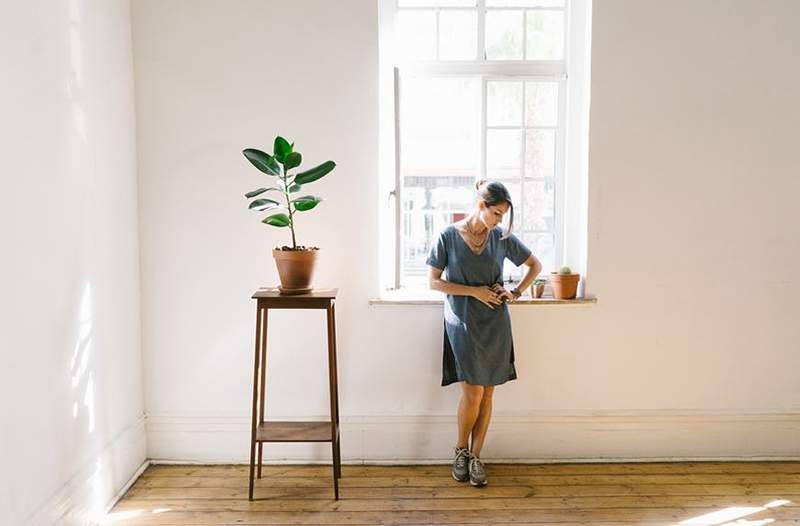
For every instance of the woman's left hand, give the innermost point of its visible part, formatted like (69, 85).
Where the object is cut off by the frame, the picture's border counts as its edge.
(498, 288)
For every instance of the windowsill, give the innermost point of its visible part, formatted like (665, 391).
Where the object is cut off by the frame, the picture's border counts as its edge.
(436, 298)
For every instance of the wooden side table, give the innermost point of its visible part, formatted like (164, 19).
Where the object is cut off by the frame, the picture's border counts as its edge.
(276, 431)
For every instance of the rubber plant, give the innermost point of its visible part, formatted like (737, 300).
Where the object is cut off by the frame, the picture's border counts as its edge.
(295, 269)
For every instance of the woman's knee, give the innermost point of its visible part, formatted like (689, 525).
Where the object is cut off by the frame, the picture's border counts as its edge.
(488, 392)
(473, 394)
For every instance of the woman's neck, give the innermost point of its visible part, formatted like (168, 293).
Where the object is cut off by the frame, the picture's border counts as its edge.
(475, 224)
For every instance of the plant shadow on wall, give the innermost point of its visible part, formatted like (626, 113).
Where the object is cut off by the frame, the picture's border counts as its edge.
(296, 263)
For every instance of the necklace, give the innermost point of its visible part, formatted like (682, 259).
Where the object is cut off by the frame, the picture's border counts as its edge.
(473, 235)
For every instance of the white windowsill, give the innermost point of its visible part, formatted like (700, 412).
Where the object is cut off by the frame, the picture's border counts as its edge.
(437, 298)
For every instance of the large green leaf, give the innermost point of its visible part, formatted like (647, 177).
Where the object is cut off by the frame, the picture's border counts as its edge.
(293, 160)
(260, 191)
(263, 161)
(315, 173)
(263, 204)
(279, 220)
(307, 202)
(294, 188)
(281, 149)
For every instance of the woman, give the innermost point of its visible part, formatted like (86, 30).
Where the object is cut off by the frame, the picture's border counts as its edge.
(478, 349)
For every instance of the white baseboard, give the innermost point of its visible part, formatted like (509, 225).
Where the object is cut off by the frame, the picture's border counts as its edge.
(543, 437)
(96, 487)
(121, 493)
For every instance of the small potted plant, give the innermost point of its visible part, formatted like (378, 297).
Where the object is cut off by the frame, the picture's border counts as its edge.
(537, 289)
(564, 283)
(295, 263)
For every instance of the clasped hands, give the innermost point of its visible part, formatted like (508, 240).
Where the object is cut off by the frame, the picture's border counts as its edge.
(493, 295)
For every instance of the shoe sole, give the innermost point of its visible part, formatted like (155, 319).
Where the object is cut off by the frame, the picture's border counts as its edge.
(478, 484)
(458, 479)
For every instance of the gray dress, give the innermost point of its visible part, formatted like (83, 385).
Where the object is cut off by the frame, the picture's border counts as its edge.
(477, 345)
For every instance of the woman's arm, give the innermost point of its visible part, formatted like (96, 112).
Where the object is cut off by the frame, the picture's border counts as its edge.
(534, 267)
(484, 294)
(533, 270)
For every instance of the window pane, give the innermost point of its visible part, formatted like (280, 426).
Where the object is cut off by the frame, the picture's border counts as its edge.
(540, 153)
(513, 189)
(542, 246)
(511, 272)
(458, 35)
(545, 38)
(415, 243)
(416, 33)
(450, 202)
(439, 148)
(439, 125)
(541, 104)
(525, 3)
(539, 204)
(503, 153)
(504, 35)
(509, 269)
(504, 103)
(436, 3)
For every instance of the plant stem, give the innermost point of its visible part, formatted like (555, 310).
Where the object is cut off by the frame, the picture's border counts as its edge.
(289, 206)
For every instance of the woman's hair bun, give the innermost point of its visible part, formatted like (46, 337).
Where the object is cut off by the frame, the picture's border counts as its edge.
(480, 183)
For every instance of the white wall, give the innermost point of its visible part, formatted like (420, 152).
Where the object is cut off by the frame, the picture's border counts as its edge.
(690, 187)
(71, 386)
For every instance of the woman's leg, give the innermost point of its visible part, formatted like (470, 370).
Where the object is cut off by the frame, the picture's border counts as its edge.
(482, 422)
(468, 409)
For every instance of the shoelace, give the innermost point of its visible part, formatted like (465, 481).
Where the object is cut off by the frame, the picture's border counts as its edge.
(462, 455)
(476, 466)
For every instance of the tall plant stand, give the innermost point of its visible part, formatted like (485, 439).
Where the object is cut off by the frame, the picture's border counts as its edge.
(293, 431)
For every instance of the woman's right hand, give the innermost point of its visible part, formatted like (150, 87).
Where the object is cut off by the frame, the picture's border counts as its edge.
(487, 296)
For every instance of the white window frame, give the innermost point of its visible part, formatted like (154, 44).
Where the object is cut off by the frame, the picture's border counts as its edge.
(571, 74)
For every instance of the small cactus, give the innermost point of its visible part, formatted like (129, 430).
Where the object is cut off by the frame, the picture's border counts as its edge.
(565, 270)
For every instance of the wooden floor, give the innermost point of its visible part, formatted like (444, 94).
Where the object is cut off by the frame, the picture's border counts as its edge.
(565, 494)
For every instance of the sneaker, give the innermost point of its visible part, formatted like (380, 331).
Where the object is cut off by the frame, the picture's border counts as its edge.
(460, 469)
(477, 476)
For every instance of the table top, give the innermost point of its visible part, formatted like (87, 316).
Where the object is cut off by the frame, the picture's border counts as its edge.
(273, 292)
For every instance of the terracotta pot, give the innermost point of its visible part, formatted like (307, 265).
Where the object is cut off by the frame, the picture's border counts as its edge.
(296, 270)
(565, 286)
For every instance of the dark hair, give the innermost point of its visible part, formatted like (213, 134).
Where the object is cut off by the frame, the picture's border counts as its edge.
(493, 193)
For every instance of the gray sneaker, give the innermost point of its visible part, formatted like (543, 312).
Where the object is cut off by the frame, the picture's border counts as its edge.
(477, 476)
(460, 469)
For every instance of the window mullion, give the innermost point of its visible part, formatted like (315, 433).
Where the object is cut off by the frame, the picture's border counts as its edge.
(524, 35)
(524, 132)
(483, 169)
(398, 197)
(481, 52)
(560, 177)
(565, 42)
(438, 30)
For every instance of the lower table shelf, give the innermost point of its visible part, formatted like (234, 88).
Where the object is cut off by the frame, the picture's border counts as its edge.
(293, 431)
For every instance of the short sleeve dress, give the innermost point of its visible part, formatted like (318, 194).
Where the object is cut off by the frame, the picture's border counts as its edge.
(477, 347)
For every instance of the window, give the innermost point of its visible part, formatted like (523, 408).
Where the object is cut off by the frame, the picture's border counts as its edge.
(482, 88)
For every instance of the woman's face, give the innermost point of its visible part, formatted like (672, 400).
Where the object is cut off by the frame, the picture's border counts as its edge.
(492, 215)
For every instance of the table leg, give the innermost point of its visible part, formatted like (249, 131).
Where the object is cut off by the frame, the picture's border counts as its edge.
(263, 392)
(336, 391)
(333, 388)
(254, 422)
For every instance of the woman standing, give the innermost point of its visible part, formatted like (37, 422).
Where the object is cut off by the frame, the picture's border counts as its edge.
(478, 348)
